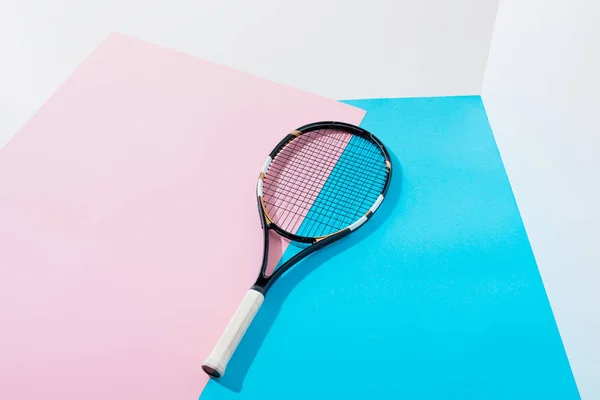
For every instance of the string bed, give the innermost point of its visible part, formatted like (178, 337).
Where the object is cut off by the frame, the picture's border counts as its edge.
(323, 181)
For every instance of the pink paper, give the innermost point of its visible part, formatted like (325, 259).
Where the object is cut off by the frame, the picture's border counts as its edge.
(128, 222)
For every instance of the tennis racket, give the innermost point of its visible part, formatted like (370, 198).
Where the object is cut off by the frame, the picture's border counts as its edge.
(320, 183)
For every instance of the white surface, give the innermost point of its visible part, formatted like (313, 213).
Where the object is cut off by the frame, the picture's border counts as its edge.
(339, 49)
(542, 95)
(229, 341)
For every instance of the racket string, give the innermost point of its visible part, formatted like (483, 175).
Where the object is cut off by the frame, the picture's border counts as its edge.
(343, 217)
(374, 177)
(302, 168)
(342, 198)
(323, 181)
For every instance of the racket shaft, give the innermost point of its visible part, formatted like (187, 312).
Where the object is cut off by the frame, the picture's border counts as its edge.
(231, 337)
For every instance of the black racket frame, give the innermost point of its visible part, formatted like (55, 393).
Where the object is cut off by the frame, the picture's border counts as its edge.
(264, 281)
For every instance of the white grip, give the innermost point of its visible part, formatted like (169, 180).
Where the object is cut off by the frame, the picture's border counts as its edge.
(217, 361)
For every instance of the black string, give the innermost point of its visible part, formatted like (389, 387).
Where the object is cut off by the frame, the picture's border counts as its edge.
(325, 180)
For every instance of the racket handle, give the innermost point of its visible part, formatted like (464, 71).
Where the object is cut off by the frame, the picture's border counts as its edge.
(217, 361)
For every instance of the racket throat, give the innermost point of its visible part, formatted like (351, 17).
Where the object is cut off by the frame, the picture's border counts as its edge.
(259, 286)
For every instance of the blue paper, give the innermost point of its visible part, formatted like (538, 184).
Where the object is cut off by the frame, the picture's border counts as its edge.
(437, 297)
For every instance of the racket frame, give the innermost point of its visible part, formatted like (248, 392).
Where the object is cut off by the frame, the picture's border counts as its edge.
(264, 281)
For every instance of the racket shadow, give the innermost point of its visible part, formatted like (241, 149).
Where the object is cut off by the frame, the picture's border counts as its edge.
(244, 356)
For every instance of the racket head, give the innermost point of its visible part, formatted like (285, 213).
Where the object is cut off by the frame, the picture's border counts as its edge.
(322, 180)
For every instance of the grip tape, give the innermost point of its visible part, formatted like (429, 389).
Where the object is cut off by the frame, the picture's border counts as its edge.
(216, 363)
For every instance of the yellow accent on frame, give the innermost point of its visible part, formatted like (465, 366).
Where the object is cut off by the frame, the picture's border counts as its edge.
(319, 238)
(262, 203)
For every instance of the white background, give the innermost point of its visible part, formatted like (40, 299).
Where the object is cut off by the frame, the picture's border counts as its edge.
(542, 96)
(341, 49)
(541, 92)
